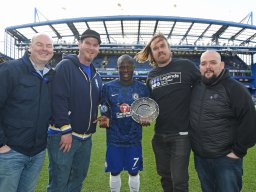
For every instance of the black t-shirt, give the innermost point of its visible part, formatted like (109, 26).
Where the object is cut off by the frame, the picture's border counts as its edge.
(171, 87)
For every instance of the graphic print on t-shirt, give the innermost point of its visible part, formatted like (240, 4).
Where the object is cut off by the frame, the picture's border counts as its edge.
(165, 79)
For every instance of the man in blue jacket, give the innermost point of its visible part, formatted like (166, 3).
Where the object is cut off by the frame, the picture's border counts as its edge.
(76, 95)
(25, 113)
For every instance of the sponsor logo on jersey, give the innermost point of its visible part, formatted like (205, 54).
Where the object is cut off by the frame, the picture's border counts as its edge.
(124, 111)
(135, 96)
(124, 108)
(166, 79)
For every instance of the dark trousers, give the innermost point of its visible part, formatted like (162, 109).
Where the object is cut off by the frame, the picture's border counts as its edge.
(172, 160)
(222, 174)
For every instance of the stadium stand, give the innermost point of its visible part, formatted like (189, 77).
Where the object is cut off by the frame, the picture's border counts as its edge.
(189, 37)
(4, 58)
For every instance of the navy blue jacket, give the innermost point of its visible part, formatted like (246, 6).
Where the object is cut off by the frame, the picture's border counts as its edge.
(25, 107)
(75, 98)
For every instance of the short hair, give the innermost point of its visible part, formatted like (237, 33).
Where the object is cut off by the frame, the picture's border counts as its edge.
(125, 58)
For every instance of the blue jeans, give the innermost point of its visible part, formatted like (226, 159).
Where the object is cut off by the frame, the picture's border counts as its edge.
(219, 175)
(18, 172)
(172, 159)
(67, 170)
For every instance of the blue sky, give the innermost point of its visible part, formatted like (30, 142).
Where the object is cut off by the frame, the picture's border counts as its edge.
(17, 12)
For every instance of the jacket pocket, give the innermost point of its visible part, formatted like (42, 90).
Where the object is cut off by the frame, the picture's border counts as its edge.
(18, 123)
(19, 132)
(26, 89)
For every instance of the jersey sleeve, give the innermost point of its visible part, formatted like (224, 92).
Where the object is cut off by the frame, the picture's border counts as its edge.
(105, 108)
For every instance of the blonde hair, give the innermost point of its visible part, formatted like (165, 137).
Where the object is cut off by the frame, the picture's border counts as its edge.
(146, 53)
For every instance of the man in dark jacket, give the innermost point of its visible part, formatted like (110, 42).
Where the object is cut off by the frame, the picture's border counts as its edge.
(25, 113)
(76, 95)
(223, 126)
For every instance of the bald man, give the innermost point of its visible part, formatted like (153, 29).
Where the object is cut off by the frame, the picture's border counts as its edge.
(24, 115)
(223, 126)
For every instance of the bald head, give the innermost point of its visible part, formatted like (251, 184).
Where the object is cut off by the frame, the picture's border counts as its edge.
(41, 49)
(210, 64)
(40, 36)
(212, 53)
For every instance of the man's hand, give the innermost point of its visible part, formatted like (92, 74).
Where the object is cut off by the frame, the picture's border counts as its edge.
(144, 121)
(5, 149)
(232, 156)
(103, 121)
(66, 142)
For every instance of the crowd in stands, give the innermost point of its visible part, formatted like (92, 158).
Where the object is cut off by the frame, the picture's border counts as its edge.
(234, 63)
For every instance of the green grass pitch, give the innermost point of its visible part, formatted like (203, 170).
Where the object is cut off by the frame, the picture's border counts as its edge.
(98, 181)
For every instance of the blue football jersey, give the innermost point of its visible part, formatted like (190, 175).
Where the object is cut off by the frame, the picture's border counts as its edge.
(116, 101)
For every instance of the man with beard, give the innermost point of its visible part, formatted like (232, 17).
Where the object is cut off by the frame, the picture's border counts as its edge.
(170, 83)
(223, 126)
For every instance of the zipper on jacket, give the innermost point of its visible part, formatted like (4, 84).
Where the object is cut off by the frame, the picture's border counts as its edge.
(90, 87)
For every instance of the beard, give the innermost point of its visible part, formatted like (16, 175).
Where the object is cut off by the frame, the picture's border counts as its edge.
(163, 58)
(214, 78)
(209, 81)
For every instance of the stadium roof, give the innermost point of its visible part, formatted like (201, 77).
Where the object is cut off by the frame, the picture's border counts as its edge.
(135, 31)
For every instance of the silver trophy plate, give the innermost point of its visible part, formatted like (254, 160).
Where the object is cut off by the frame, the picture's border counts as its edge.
(145, 109)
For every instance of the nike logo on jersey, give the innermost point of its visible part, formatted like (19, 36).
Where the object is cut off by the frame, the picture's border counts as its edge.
(113, 95)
